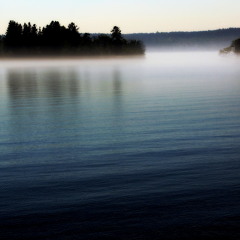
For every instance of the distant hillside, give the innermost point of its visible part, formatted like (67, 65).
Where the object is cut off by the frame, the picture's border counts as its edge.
(212, 39)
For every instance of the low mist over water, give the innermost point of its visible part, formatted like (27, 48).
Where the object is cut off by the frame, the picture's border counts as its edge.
(120, 148)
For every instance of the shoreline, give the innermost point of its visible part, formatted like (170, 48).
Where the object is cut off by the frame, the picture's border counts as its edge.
(71, 57)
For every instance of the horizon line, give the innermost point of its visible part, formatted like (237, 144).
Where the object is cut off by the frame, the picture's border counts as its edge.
(173, 31)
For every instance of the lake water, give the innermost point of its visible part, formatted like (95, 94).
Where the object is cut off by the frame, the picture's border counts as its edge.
(138, 148)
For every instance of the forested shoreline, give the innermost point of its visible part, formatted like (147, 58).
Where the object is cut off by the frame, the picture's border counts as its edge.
(55, 40)
(205, 40)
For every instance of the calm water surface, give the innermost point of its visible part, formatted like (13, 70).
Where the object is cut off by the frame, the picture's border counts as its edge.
(134, 148)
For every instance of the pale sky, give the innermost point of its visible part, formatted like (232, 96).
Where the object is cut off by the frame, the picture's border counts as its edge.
(96, 16)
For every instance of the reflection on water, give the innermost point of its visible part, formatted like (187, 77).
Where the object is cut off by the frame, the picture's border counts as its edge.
(29, 85)
(52, 88)
(120, 148)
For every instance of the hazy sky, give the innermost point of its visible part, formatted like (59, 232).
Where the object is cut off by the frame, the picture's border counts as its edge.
(130, 15)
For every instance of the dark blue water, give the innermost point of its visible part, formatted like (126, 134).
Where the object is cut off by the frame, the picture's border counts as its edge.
(120, 148)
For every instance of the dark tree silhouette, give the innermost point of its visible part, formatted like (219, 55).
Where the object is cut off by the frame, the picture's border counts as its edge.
(51, 34)
(116, 34)
(72, 27)
(29, 35)
(13, 34)
(72, 35)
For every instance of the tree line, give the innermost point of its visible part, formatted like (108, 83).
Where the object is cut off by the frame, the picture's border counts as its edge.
(55, 38)
(212, 39)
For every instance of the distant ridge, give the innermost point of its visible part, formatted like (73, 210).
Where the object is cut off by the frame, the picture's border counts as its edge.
(209, 39)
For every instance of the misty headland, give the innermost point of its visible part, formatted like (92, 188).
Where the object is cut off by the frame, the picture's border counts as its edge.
(56, 40)
(234, 47)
